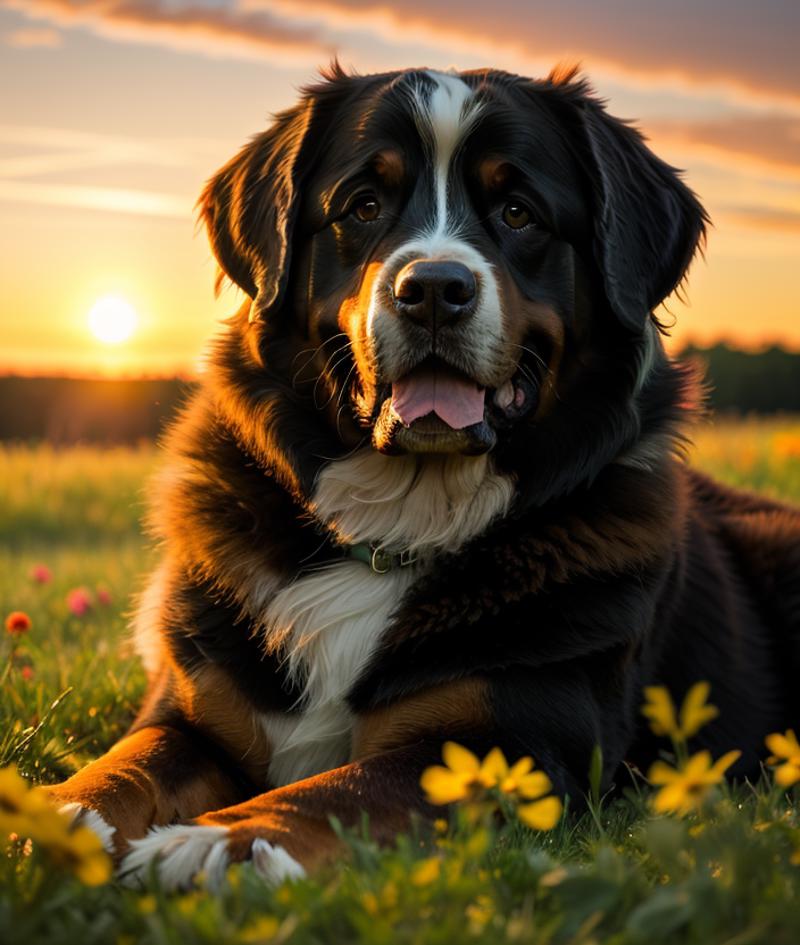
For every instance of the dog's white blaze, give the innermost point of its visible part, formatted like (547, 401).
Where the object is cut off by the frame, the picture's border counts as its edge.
(444, 117)
(328, 623)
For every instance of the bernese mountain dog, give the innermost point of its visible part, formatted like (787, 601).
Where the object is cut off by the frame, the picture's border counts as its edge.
(431, 487)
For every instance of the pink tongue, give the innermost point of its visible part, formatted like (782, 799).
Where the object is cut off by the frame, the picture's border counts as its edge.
(451, 396)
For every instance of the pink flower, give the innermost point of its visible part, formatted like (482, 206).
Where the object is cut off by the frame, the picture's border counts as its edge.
(103, 596)
(79, 601)
(18, 622)
(41, 573)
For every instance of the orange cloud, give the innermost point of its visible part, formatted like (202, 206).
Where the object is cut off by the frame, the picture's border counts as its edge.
(787, 221)
(190, 26)
(739, 49)
(771, 139)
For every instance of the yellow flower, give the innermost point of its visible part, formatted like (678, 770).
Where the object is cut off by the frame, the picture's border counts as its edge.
(479, 914)
(26, 812)
(370, 903)
(80, 851)
(459, 778)
(262, 929)
(426, 871)
(13, 791)
(466, 776)
(520, 778)
(147, 904)
(685, 788)
(695, 712)
(785, 749)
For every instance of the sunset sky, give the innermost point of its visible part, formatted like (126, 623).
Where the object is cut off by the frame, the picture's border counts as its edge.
(114, 112)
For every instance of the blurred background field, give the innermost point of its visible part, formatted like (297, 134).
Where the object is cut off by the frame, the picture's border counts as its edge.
(757, 453)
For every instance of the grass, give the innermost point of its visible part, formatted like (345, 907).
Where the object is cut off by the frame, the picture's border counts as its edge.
(728, 874)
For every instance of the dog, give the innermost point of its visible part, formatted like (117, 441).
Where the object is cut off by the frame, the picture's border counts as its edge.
(431, 486)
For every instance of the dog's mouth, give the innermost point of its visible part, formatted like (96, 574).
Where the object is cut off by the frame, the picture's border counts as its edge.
(435, 408)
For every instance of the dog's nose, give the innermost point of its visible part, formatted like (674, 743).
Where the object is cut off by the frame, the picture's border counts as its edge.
(435, 292)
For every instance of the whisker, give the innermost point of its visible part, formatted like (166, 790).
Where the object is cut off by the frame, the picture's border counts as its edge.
(314, 351)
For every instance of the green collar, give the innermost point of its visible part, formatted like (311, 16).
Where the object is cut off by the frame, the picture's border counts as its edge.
(380, 560)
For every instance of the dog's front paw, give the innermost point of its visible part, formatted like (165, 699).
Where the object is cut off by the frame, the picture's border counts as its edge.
(179, 854)
(81, 816)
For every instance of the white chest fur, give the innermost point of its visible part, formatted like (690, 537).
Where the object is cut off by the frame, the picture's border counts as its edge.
(327, 623)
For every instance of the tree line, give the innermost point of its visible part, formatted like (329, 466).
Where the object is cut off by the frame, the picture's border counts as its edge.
(68, 410)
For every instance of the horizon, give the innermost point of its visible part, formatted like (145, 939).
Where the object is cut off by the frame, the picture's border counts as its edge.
(189, 376)
(120, 111)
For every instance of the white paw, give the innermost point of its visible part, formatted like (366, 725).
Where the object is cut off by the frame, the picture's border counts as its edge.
(181, 852)
(274, 863)
(81, 816)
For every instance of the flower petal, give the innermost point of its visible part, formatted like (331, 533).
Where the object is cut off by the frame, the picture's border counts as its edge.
(442, 785)
(722, 764)
(458, 758)
(541, 815)
(534, 785)
(662, 773)
(694, 711)
(94, 870)
(660, 710)
(520, 768)
(494, 768)
(784, 746)
(673, 799)
(698, 766)
(787, 775)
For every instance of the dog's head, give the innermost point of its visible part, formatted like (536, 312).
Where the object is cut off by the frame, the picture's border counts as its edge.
(456, 262)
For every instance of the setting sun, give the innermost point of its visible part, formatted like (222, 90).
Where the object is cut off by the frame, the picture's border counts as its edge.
(112, 320)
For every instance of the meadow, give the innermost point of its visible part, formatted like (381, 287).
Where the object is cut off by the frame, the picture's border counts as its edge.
(72, 556)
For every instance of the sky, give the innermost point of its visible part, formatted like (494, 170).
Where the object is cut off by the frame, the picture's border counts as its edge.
(113, 113)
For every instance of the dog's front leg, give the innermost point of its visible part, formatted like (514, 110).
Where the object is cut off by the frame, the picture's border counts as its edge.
(156, 775)
(287, 832)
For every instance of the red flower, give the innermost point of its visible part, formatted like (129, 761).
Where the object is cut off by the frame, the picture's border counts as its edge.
(103, 596)
(18, 622)
(79, 601)
(27, 673)
(41, 573)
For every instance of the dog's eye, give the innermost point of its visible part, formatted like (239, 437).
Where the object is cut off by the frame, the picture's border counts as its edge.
(366, 208)
(516, 215)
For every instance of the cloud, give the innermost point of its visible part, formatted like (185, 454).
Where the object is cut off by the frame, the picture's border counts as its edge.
(740, 49)
(193, 27)
(41, 151)
(32, 38)
(786, 221)
(113, 199)
(771, 141)
(749, 48)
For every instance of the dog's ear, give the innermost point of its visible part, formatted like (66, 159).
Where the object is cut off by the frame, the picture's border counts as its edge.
(250, 205)
(648, 223)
